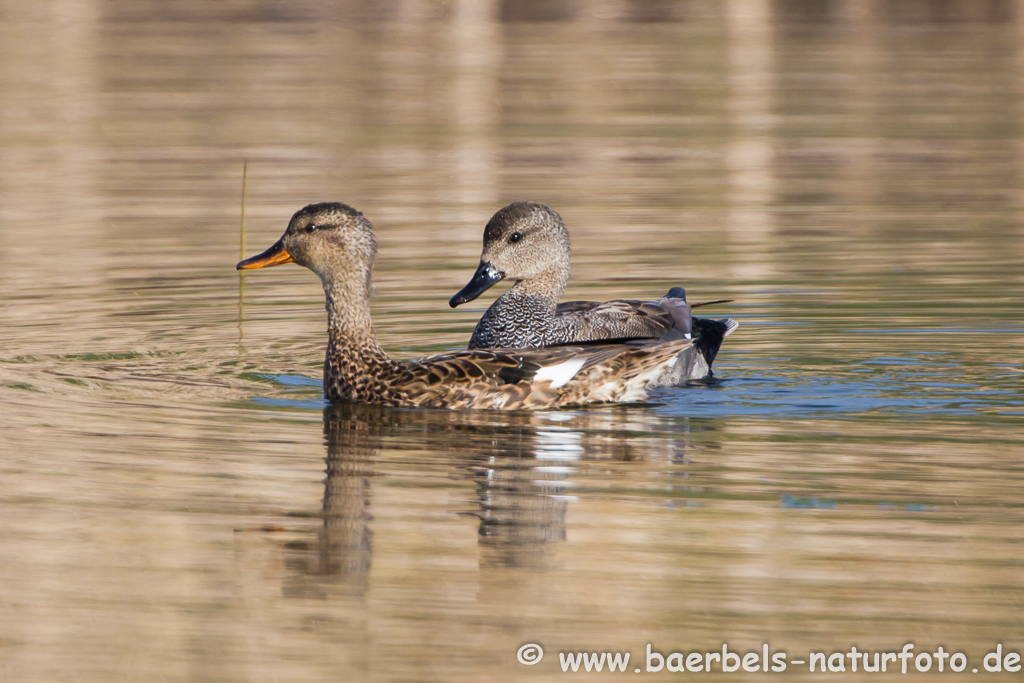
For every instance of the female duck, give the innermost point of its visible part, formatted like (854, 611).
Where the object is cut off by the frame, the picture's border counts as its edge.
(336, 242)
(529, 243)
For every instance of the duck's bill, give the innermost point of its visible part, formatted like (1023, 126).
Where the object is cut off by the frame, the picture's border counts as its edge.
(275, 256)
(483, 278)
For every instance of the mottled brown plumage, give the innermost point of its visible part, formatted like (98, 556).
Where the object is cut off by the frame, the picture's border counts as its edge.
(529, 243)
(336, 242)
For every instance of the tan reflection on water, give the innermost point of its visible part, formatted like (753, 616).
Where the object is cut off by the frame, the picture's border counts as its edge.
(641, 561)
(177, 503)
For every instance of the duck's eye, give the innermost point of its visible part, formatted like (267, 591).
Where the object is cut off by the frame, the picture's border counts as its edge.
(515, 237)
(312, 228)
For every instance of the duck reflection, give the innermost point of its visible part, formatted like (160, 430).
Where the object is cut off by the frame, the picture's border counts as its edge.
(524, 481)
(346, 541)
(343, 552)
(521, 490)
(521, 465)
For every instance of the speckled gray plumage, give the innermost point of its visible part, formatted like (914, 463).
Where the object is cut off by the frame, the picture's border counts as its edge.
(515, 320)
(519, 319)
(529, 242)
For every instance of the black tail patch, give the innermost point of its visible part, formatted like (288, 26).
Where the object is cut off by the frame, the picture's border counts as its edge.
(708, 336)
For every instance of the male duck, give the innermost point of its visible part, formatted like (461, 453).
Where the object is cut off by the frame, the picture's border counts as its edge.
(336, 242)
(529, 243)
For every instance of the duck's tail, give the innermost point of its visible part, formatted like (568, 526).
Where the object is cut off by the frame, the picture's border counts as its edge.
(709, 334)
(680, 293)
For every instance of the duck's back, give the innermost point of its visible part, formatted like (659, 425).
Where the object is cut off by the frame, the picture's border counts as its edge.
(525, 322)
(519, 379)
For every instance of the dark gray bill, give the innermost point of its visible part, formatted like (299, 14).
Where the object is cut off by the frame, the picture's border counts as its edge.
(483, 278)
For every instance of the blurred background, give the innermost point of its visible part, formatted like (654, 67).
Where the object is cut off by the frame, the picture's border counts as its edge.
(850, 171)
(766, 137)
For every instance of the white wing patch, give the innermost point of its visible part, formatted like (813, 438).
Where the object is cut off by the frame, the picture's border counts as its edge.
(559, 374)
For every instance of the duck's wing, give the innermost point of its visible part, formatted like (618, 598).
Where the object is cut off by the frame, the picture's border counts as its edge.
(575, 307)
(478, 378)
(534, 378)
(494, 367)
(624, 319)
(621, 373)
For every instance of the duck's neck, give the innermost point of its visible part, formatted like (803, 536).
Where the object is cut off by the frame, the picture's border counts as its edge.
(522, 316)
(352, 350)
(543, 291)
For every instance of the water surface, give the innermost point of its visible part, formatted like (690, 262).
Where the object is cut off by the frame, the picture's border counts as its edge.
(180, 504)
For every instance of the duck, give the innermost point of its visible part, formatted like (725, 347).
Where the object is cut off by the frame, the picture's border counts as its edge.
(337, 243)
(528, 242)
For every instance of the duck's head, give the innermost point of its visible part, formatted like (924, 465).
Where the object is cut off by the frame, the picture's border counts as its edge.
(521, 241)
(333, 240)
